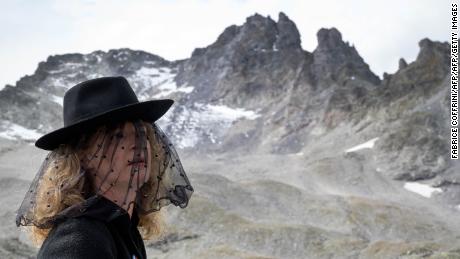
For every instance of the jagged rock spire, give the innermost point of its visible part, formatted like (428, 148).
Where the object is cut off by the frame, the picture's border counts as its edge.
(258, 33)
(402, 63)
(334, 59)
(288, 35)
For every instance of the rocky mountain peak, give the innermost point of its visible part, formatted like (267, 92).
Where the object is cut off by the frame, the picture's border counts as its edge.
(258, 33)
(288, 35)
(336, 60)
(430, 50)
(270, 34)
(240, 63)
(424, 75)
(329, 39)
(402, 64)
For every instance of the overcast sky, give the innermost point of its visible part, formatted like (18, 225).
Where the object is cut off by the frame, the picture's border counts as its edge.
(381, 31)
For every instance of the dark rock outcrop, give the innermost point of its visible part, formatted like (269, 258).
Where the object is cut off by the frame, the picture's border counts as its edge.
(335, 60)
(423, 77)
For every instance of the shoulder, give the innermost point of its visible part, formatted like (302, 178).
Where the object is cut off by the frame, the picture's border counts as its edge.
(79, 238)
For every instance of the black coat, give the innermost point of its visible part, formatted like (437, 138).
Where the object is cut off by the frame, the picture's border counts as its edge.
(103, 231)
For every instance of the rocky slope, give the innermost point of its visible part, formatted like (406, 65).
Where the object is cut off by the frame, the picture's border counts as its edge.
(269, 135)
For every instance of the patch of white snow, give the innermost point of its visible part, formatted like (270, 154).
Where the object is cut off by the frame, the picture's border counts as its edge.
(368, 144)
(422, 189)
(14, 131)
(205, 120)
(57, 99)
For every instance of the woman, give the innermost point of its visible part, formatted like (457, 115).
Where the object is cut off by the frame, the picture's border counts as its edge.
(110, 170)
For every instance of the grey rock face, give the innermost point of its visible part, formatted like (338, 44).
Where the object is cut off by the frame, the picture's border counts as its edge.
(336, 60)
(259, 66)
(402, 63)
(36, 100)
(424, 76)
(288, 36)
(416, 115)
(241, 65)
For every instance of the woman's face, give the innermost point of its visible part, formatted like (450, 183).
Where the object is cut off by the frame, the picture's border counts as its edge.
(120, 160)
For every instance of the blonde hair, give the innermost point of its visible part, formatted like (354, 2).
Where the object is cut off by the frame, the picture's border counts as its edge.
(61, 187)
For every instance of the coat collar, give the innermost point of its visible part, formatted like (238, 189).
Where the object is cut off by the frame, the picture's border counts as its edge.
(123, 228)
(105, 210)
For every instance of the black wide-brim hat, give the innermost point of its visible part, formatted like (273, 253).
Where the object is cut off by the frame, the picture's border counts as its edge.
(97, 102)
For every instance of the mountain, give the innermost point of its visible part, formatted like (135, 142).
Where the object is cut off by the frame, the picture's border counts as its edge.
(256, 90)
(262, 117)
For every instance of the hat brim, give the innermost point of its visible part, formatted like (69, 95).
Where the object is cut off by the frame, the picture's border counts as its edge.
(149, 111)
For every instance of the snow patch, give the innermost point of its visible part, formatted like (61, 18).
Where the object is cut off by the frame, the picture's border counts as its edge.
(65, 67)
(95, 75)
(368, 144)
(151, 79)
(121, 56)
(170, 87)
(274, 48)
(98, 58)
(203, 121)
(14, 131)
(149, 71)
(57, 99)
(422, 189)
(227, 113)
(59, 82)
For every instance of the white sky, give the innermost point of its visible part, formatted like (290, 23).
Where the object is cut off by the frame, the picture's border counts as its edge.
(381, 31)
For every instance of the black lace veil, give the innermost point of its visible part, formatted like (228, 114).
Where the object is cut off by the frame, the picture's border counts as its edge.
(67, 183)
